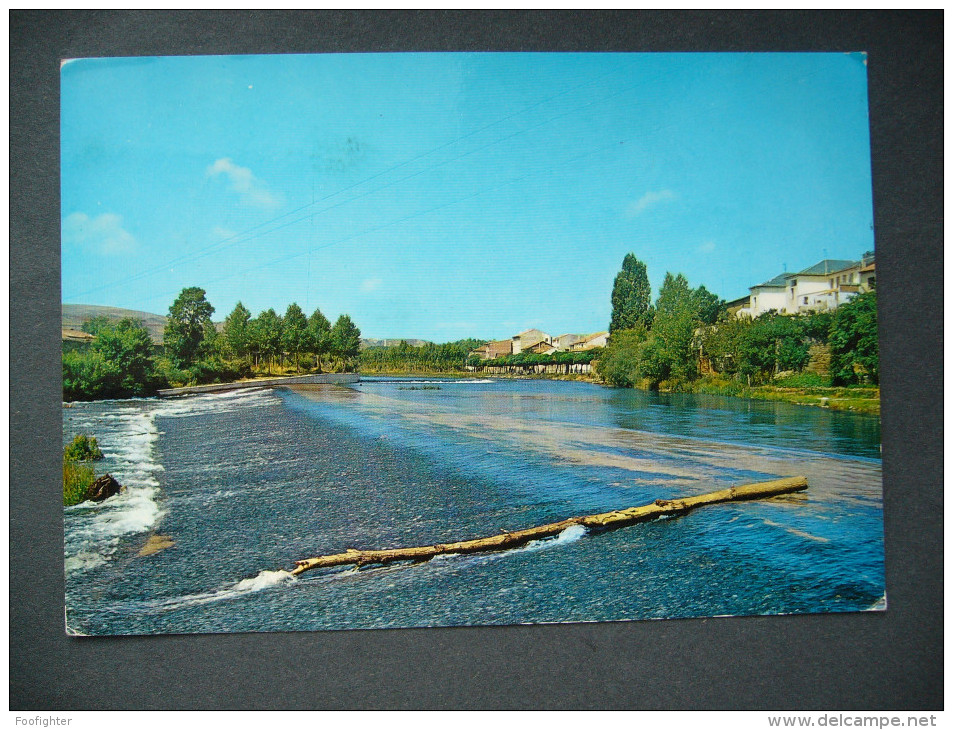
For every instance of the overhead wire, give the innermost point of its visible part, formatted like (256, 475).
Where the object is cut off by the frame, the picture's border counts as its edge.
(244, 236)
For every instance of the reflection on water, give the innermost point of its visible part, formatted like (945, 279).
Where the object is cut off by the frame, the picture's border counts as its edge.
(245, 483)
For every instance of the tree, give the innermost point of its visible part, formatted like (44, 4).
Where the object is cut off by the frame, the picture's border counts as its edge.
(118, 364)
(318, 336)
(620, 362)
(236, 332)
(669, 352)
(721, 343)
(128, 347)
(94, 325)
(773, 342)
(294, 335)
(631, 296)
(185, 331)
(266, 335)
(708, 307)
(345, 339)
(855, 352)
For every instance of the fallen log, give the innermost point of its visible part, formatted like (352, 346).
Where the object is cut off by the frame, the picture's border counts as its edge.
(601, 522)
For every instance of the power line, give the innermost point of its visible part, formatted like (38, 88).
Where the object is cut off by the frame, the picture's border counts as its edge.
(289, 257)
(244, 237)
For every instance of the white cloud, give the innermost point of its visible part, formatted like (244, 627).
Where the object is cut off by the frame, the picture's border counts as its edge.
(370, 285)
(649, 200)
(103, 234)
(243, 182)
(706, 247)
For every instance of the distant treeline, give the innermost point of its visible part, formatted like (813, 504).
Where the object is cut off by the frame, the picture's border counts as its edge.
(122, 361)
(665, 344)
(450, 357)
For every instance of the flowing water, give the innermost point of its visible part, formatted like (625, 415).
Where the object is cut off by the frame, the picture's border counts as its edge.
(225, 491)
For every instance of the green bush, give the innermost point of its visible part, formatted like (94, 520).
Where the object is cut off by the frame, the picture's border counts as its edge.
(77, 479)
(855, 354)
(803, 380)
(621, 361)
(82, 448)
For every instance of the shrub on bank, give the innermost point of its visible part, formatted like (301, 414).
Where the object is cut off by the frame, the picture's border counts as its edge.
(77, 479)
(82, 448)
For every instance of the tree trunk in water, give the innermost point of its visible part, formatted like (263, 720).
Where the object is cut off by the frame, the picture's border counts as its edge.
(598, 522)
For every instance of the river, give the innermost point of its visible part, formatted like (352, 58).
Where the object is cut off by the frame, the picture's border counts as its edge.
(244, 483)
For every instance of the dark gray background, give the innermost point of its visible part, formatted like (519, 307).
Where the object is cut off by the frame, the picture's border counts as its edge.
(890, 660)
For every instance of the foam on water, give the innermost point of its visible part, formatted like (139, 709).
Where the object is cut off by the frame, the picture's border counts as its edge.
(265, 579)
(128, 442)
(569, 535)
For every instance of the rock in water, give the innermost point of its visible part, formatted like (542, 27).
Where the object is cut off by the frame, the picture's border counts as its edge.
(103, 488)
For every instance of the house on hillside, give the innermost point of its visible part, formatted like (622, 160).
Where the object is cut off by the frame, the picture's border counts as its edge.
(73, 335)
(540, 348)
(823, 286)
(492, 350)
(868, 274)
(528, 339)
(819, 288)
(597, 339)
(564, 342)
(767, 296)
(735, 306)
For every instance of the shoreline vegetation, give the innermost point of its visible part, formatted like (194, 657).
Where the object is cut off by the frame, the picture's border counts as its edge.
(685, 341)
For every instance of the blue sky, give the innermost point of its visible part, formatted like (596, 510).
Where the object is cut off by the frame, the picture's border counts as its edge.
(443, 196)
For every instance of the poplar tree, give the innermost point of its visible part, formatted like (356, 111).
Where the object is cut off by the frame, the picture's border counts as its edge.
(319, 336)
(345, 339)
(294, 332)
(631, 296)
(236, 331)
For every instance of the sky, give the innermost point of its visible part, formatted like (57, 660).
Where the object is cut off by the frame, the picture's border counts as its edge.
(449, 195)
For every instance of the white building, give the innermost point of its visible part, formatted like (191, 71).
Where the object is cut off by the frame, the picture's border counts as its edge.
(767, 296)
(823, 286)
(819, 288)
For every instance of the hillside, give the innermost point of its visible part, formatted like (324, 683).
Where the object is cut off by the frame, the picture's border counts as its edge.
(75, 314)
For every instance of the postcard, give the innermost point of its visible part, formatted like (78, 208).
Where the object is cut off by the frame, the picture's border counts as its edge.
(358, 341)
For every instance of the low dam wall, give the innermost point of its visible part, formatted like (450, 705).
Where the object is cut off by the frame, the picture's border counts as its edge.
(323, 379)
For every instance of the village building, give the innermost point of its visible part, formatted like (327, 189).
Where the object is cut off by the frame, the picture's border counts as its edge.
(590, 342)
(823, 286)
(767, 296)
(73, 335)
(539, 343)
(491, 350)
(819, 288)
(528, 339)
(564, 342)
(541, 348)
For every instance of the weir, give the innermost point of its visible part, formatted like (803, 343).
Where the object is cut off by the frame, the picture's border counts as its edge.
(323, 379)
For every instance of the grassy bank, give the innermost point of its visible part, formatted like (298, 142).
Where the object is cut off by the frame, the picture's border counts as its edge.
(859, 399)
